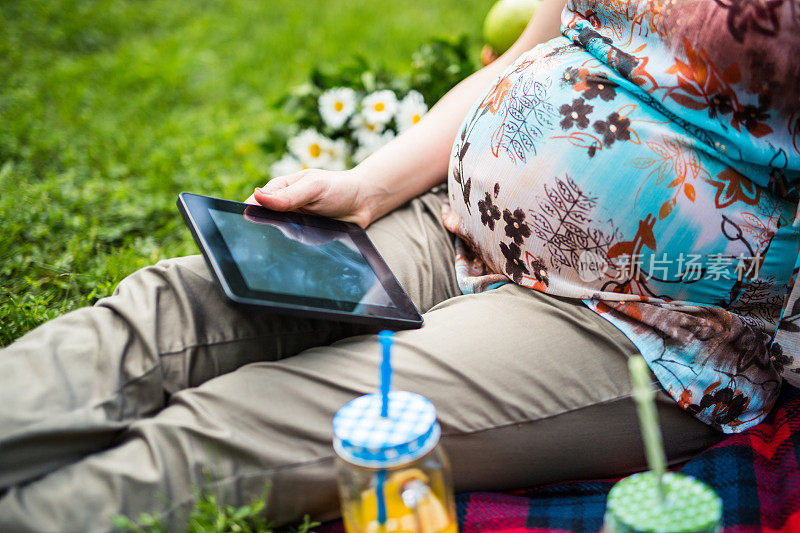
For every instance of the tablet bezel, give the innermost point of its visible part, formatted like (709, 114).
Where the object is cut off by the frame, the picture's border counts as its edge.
(195, 210)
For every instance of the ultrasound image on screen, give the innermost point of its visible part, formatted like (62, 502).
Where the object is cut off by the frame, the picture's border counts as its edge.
(286, 258)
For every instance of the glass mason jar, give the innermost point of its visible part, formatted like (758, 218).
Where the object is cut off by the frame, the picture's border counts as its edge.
(393, 475)
(680, 504)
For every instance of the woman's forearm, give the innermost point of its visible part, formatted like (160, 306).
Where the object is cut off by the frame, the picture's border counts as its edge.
(417, 159)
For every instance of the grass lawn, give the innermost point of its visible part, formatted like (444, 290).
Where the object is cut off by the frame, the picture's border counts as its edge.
(109, 108)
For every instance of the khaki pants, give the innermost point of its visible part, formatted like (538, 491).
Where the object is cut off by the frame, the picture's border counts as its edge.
(165, 387)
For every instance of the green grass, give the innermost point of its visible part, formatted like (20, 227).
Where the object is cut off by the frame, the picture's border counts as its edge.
(109, 108)
(211, 515)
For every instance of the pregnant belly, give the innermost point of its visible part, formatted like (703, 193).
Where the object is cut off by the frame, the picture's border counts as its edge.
(565, 179)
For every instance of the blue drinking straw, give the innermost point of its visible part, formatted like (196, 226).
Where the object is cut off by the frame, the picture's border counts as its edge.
(379, 486)
(386, 339)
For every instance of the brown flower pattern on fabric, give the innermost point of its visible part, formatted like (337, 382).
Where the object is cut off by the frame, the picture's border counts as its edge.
(539, 271)
(571, 76)
(719, 104)
(489, 212)
(751, 115)
(614, 128)
(575, 113)
(726, 404)
(704, 85)
(515, 266)
(779, 359)
(589, 84)
(516, 227)
(752, 15)
(594, 86)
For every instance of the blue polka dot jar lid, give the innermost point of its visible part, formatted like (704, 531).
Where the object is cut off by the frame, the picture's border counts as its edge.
(363, 437)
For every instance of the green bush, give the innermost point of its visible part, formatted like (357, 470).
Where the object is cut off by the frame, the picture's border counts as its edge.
(435, 68)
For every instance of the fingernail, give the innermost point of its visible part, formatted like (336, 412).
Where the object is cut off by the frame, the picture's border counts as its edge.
(262, 191)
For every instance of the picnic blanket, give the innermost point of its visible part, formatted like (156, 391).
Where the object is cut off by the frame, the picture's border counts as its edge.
(757, 474)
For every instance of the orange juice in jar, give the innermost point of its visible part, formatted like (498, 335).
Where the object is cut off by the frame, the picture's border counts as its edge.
(393, 475)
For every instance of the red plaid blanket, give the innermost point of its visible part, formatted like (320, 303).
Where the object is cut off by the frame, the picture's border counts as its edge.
(757, 474)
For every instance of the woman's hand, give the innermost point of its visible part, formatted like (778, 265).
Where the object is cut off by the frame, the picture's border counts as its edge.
(335, 194)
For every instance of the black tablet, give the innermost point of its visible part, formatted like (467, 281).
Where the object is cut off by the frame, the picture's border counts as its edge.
(297, 264)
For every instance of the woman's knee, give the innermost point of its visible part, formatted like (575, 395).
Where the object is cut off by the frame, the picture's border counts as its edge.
(171, 305)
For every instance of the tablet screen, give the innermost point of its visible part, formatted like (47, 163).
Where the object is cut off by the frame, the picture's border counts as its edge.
(296, 263)
(283, 257)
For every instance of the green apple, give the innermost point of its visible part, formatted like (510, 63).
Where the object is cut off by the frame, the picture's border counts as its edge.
(505, 21)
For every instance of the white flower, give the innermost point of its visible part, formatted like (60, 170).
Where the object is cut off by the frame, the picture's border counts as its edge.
(336, 106)
(314, 150)
(367, 137)
(361, 126)
(285, 166)
(338, 154)
(362, 152)
(379, 107)
(311, 148)
(410, 110)
(370, 142)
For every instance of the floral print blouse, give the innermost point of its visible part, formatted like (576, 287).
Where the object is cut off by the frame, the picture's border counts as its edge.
(647, 162)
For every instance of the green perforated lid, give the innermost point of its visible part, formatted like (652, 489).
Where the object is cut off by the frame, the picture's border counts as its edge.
(690, 505)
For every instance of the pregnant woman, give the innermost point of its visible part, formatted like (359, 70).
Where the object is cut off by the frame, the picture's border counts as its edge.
(627, 186)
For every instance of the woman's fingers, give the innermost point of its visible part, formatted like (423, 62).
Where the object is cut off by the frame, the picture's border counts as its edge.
(322, 192)
(290, 197)
(275, 184)
(279, 182)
